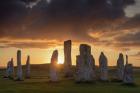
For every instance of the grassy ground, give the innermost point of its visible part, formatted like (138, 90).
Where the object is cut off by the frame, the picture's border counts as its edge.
(39, 84)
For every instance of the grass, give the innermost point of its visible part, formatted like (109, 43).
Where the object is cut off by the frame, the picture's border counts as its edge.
(39, 84)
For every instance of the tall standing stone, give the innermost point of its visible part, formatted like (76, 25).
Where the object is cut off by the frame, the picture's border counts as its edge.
(126, 59)
(8, 70)
(85, 65)
(19, 66)
(28, 70)
(103, 66)
(120, 67)
(53, 67)
(11, 69)
(67, 59)
(128, 73)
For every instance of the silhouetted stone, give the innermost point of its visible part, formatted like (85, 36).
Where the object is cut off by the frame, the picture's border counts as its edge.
(103, 66)
(128, 73)
(67, 61)
(85, 65)
(19, 66)
(120, 67)
(7, 70)
(126, 59)
(28, 72)
(11, 75)
(53, 67)
(10, 70)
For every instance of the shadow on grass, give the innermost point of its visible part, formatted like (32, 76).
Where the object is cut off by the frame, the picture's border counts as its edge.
(130, 85)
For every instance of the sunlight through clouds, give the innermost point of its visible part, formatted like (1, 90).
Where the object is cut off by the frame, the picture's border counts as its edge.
(133, 10)
(48, 1)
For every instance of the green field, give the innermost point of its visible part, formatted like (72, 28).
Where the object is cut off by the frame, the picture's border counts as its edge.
(39, 84)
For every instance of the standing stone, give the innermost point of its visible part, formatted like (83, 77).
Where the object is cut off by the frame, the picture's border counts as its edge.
(7, 70)
(103, 66)
(19, 66)
(11, 74)
(126, 59)
(53, 67)
(120, 67)
(128, 73)
(28, 67)
(85, 65)
(67, 61)
(10, 70)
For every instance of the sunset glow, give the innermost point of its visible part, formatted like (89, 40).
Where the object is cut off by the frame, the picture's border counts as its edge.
(38, 27)
(60, 59)
(42, 56)
(68, 46)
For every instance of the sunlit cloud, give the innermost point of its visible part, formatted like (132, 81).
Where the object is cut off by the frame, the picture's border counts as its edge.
(49, 1)
(31, 4)
(107, 25)
(133, 10)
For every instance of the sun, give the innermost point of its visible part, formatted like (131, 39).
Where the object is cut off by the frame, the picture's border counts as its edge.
(60, 59)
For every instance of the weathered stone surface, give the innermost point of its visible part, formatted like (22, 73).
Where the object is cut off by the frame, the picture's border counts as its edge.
(128, 74)
(53, 67)
(120, 67)
(11, 75)
(67, 59)
(10, 70)
(126, 59)
(19, 66)
(85, 65)
(103, 66)
(28, 70)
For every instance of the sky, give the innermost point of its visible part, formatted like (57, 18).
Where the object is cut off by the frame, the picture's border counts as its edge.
(38, 27)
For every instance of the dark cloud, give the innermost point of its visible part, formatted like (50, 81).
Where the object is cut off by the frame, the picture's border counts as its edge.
(60, 19)
(129, 33)
(130, 37)
(129, 2)
(11, 11)
(132, 23)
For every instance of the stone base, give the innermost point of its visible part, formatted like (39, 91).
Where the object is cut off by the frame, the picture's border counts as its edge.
(68, 75)
(5, 76)
(8, 77)
(19, 79)
(104, 81)
(129, 84)
(89, 82)
(28, 77)
(116, 80)
(50, 81)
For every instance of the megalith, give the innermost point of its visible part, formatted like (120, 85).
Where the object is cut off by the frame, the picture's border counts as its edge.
(85, 65)
(103, 67)
(67, 59)
(53, 67)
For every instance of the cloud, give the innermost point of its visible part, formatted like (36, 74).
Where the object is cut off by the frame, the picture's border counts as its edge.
(130, 32)
(132, 10)
(62, 19)
(31, 3)
(131, 23)
(30, 43)
(11, 10)
(136, 55)
(133, 37)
